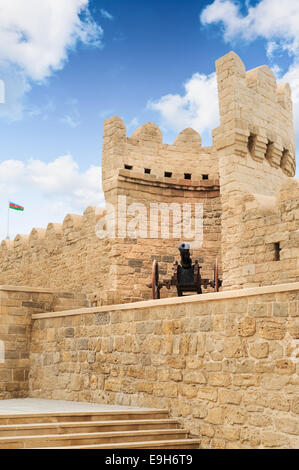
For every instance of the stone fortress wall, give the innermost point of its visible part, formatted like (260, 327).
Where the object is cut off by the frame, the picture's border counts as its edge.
(63, 256)
(116, 270)
(244, 181)
(225, 363)
(17, 305)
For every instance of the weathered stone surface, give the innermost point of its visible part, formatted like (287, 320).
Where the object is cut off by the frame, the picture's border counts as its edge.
(234, 347)
(247, 327)
(230, 396)
(274, 439)
(271, 329)
(215, 416)
(102, 319)
(259, 350)
(250, 437)
(219, 379)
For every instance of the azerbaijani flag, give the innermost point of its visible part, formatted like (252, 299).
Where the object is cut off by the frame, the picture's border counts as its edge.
(16, 207)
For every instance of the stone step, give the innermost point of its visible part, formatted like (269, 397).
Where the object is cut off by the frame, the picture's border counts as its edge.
(161, 444)
(109, 429)
(30, 418)
(86, 427)
(81, 439)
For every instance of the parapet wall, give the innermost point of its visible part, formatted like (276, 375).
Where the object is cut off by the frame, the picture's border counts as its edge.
(225, 364)
(16, 308)
(145, 155)
(66, 256)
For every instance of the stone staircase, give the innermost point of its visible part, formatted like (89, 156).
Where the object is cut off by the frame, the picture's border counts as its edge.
(130, 429)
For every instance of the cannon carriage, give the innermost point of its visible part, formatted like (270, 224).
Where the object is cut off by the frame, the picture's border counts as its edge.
(186, 276)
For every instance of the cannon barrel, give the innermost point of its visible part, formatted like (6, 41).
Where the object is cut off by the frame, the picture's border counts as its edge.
(186, 261)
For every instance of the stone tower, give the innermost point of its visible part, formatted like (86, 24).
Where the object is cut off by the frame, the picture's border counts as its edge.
(256, 151)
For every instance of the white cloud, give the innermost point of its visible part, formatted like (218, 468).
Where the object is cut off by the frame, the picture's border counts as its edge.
(197, 108)
(58, 179)
(269, 19)
(227, 12)
(48, 191)
(105, 14)
(277, 71)
(43, 110)
(272, 46)
(275, 21)
(104, 113)
(35, 40)
(37, 35)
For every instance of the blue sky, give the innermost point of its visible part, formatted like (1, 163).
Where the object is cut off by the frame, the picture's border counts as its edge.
(67, 68)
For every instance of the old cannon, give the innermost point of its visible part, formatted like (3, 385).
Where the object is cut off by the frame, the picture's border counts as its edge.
(186, 276)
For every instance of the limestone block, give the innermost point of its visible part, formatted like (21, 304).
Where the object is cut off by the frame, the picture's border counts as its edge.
(271, 329)
(247, 327)
(259, 350)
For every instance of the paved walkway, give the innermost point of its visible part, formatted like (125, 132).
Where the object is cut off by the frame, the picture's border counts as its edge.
(38, 405)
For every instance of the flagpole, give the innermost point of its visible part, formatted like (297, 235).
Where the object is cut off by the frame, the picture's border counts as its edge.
(7, 238)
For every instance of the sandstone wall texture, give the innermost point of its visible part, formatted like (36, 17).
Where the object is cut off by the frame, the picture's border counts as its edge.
(16, 309)
(226, 364)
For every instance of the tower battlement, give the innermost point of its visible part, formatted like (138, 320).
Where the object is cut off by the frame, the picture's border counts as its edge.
(145, 156)
(256, 153)
(256, 117)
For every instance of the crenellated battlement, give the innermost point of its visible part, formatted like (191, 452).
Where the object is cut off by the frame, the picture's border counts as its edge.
(256, 118)
(145, 154)
(55, 236)
(67, 256)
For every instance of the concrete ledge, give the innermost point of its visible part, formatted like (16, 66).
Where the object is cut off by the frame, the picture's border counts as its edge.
(233, 294)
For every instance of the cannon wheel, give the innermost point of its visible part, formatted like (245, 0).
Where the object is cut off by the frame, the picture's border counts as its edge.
(216, 278)
(155, 280)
